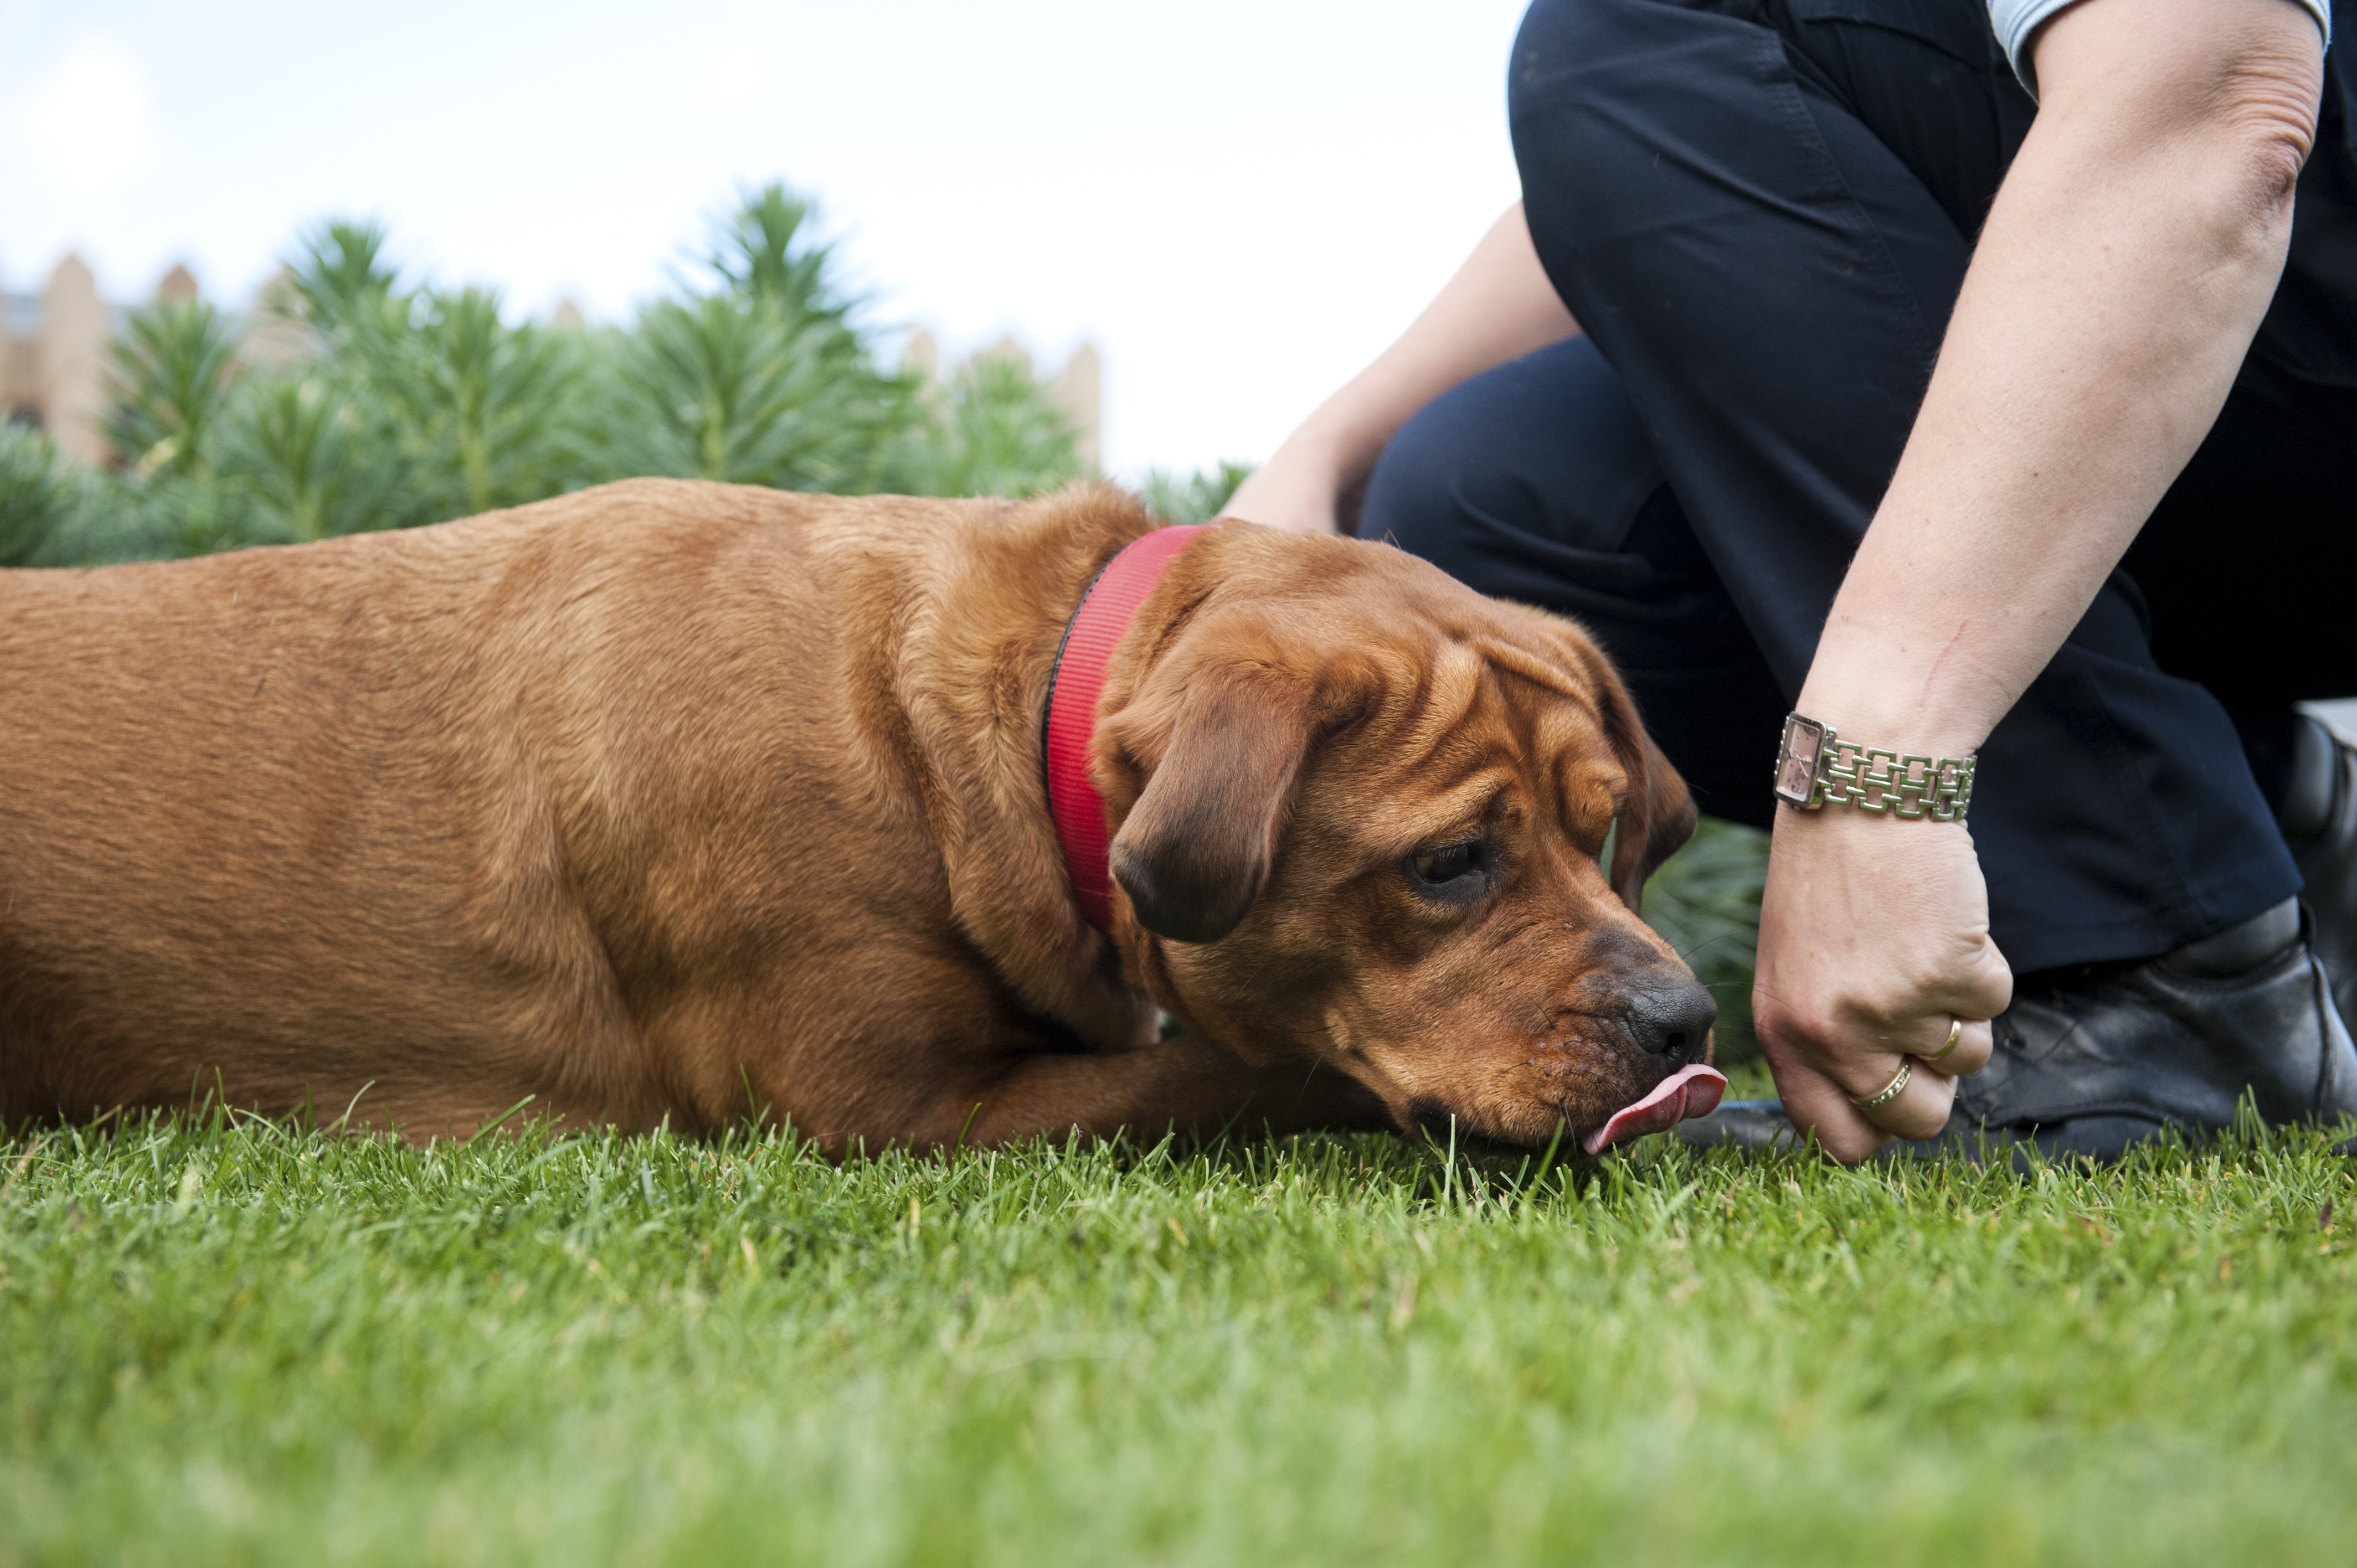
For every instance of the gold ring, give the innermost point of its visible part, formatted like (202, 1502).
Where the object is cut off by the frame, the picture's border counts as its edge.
(1891, 1090)
(1956, 1033)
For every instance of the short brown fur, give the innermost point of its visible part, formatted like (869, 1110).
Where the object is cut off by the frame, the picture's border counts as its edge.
(664, 802)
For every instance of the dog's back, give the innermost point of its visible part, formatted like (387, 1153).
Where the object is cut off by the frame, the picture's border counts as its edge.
(354, 801)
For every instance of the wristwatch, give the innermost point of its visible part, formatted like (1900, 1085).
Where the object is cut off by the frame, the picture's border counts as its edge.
(1815, 766)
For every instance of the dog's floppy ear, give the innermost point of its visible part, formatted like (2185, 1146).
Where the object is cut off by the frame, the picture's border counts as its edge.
(1660, 815)
(1197, 847)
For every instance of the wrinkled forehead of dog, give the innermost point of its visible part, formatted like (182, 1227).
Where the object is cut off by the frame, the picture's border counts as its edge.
(1385, 702)
(1477, 713)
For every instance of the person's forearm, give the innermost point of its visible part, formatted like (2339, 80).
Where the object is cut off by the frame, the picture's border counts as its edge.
(2123, 272)
(1498, 306)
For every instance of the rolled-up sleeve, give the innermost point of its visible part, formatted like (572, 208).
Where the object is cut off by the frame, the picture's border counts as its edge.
(2014, 20)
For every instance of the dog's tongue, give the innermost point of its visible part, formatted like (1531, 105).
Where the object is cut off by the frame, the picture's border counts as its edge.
(1689, 1091)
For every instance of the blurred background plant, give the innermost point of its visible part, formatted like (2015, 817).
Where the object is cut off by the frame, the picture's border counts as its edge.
(761, 377)
(1193, 497)
(1705, 901)
(352, 398)
(991, 433)
(46, 509)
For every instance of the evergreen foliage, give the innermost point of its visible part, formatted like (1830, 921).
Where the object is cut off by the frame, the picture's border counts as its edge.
(1193, 497)
(994, 434)
(173, 366)
(44, 507)
(1705, 901)
(417, 403)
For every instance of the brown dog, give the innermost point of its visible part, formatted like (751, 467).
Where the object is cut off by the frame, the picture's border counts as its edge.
(667, 800)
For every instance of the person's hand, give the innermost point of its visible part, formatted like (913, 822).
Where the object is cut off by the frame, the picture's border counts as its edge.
(1874, 941)
(1297, 490)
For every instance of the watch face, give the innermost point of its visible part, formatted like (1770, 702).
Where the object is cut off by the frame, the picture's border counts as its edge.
(1797, 771)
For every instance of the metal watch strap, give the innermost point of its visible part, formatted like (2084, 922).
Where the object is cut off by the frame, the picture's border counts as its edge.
(1814, 766)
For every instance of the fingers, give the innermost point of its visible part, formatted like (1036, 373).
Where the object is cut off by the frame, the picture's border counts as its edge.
(1920, 1107)
(1950, 1045)
(1971, 1052)
(1983, 991)
(1819, 1105)
(1850, 1133)
(1817, 1100)
(1926, 1088)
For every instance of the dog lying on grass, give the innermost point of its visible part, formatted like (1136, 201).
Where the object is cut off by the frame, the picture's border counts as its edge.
(669, 802)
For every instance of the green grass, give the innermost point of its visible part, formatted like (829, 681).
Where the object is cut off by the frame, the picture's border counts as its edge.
(236, 1342)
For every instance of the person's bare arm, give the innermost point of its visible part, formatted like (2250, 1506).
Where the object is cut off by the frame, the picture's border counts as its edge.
(1498, 306)
(2125, 267)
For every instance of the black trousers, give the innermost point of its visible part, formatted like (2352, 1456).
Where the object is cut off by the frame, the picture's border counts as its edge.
(1761, 210)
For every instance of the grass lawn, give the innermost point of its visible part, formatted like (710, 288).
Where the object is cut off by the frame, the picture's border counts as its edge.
(235, 1343)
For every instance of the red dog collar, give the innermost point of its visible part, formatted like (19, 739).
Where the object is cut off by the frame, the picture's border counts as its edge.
(1073, 687)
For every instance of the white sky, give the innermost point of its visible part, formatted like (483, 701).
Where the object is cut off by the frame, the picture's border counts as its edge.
(1239, 202)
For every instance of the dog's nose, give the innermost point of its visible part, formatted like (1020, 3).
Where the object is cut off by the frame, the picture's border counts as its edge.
(1673, 1021)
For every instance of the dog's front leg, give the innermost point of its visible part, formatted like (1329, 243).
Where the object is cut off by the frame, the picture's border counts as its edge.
(1181, 1085)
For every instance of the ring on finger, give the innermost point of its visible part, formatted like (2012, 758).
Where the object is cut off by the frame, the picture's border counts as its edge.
(1956, 1033)
(1891, 1090)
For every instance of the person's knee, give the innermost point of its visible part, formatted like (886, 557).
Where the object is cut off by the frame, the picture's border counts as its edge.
(1618, 107)
(1545, 448)
(1414, 498)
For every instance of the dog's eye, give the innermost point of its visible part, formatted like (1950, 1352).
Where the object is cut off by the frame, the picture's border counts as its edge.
(1453, 872)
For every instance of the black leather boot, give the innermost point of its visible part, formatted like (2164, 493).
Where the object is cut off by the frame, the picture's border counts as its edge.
(2092, 1059)
(2320, 823)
